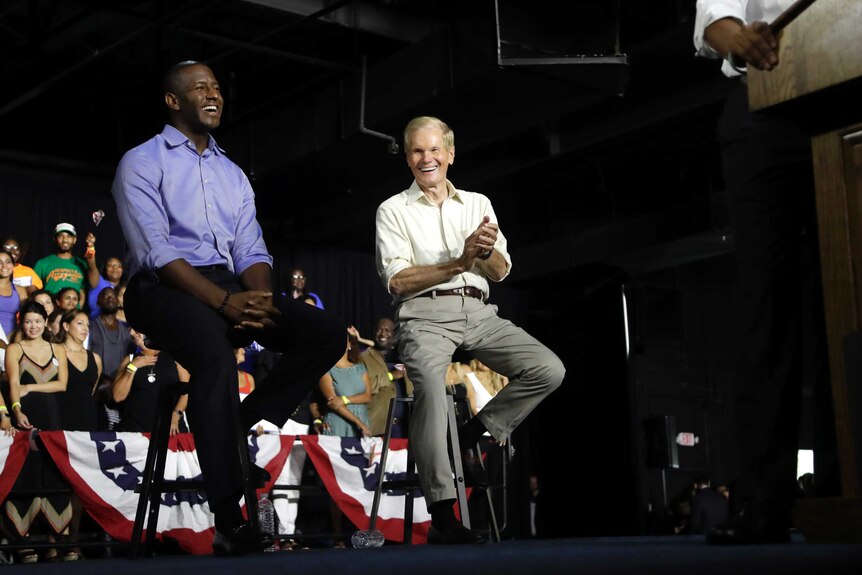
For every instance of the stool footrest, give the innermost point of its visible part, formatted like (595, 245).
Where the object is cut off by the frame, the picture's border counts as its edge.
(408, 483)
(178, 486)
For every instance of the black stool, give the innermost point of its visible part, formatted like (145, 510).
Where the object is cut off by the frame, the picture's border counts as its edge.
(411, 479)
(154, 483)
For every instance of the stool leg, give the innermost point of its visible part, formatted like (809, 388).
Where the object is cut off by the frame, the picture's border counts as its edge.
(250, 491)
(144, 497)
(494, 529)
(459, 468)
(149, 497)
(409, 491)
(161, 437)
(387, 436)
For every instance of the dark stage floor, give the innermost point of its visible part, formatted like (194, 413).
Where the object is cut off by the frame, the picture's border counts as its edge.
(639, 555)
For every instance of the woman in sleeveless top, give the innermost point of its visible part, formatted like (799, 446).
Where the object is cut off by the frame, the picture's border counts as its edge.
(77, 404)
(347, 390)
(37, 373)
(137, 385)
(7, 326)
(11, 295)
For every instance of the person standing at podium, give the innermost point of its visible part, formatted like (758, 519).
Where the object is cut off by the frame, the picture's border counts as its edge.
(768, 172)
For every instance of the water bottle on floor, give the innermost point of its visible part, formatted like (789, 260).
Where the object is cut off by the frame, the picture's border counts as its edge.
(266, 518)
(365, 538)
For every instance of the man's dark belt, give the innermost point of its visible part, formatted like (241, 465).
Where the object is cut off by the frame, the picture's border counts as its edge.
(468, 291)
(212, 267)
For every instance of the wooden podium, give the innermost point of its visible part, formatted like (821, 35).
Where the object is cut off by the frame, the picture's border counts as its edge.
(819, 82)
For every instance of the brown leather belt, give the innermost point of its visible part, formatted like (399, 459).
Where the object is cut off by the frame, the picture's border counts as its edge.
(468, 291)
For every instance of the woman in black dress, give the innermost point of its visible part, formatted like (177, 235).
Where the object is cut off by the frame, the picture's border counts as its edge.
(77, 403)
(137, 384)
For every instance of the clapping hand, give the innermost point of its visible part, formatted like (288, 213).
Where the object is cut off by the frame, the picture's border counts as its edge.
(480, 242)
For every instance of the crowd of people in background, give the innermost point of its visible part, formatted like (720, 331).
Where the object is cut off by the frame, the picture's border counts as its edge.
(71, 362)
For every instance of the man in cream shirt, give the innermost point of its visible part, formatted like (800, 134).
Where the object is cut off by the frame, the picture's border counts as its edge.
(437, 247)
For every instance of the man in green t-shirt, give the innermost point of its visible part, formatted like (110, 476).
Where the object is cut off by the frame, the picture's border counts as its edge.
(63, 268)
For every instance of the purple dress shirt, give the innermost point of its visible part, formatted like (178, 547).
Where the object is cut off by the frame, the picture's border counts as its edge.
(176, 204)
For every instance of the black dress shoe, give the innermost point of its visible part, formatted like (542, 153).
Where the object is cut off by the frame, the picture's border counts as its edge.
(240, 541)
(474, 473)
(760, 521)
(456, 534)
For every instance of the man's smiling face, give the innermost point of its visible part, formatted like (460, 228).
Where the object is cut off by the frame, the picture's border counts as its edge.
(429, 158)
(199, 103)
(383, 334)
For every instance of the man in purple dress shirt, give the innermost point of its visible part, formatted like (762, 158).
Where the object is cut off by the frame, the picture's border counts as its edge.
(201, 286)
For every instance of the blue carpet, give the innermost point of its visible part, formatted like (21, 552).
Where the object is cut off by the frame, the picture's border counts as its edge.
(617, 555)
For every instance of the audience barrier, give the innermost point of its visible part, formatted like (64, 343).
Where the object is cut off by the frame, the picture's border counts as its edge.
(104, 469)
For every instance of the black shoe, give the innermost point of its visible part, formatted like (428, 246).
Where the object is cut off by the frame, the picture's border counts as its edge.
(759, 521)
(240, 541)
(259, 476)
(474, 473)
(456, 534)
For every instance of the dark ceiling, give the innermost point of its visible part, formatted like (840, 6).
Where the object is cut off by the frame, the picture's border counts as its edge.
(589, 123)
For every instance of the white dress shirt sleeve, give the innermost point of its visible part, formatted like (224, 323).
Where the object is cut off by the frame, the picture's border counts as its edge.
(393, 252)
(709, 11)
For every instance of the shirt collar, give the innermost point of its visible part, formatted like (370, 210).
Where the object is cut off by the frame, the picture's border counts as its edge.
(415, 193)
(176, 138)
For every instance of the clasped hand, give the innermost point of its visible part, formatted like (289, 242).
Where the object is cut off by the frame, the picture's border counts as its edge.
(481, 241)
(251, 309)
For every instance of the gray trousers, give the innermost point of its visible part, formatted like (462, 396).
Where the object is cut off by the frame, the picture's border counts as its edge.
(429, 330)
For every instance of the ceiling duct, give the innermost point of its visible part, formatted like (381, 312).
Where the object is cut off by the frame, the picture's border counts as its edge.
(577, 41)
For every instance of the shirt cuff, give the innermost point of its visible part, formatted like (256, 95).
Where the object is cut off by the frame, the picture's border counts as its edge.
(705, 20)
(392, 270)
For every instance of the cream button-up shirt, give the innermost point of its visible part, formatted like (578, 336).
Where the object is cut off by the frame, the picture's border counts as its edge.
(413, 231)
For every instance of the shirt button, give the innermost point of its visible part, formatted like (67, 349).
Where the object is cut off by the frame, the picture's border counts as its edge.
(209, 205)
